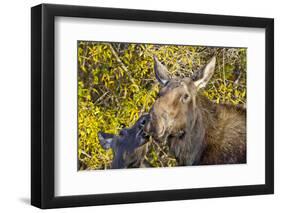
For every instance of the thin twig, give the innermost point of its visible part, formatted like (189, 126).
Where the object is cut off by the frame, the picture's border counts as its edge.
(117, 58)
(87, 155)
(121, 63)
(160, 149)
(223, 70)
(101, 97)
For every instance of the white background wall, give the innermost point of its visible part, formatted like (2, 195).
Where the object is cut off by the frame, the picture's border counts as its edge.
(15, 105)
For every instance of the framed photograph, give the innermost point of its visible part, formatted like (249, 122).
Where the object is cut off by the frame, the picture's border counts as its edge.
(139, 106)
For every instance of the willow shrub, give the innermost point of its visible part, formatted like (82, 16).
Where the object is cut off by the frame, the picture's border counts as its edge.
(116, 84)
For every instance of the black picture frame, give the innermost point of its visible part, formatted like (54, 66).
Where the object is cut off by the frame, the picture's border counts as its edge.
(43, 102)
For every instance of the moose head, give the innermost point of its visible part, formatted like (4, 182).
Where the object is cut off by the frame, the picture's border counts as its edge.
(128, 147)
(176, 101)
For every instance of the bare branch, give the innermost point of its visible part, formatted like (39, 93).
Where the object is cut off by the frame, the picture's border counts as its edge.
(121, 63)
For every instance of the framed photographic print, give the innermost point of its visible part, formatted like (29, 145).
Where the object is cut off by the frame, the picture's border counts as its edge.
(140, 106)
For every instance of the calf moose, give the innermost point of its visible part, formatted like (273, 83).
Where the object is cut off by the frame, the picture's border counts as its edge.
(129, 147)
(197, 131)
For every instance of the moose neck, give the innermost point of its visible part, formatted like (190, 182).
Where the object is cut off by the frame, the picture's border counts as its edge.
(189, 146)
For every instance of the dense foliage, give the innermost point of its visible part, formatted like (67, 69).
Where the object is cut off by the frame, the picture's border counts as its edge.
(116, 84)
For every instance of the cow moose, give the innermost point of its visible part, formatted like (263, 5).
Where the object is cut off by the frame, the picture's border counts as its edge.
(129, 147)
(197, 131)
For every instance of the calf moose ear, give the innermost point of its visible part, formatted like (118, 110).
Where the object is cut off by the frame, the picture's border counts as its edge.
(207, 74)
(105, 140)
(161, 72)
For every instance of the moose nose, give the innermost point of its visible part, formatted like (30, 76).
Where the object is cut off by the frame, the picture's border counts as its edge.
(142, 123)
(144, 120)
(144, 135)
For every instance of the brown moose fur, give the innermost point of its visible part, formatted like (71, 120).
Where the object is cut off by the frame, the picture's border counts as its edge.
(224, 135)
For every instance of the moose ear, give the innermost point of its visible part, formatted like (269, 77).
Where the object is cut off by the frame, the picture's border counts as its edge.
(206, 74)
(161, 72)
(105, 140)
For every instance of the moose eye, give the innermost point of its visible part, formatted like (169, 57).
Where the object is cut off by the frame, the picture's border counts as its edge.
(122, 133)
(185, 97)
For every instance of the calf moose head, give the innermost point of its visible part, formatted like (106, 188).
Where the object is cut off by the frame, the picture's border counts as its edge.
(128, 147)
